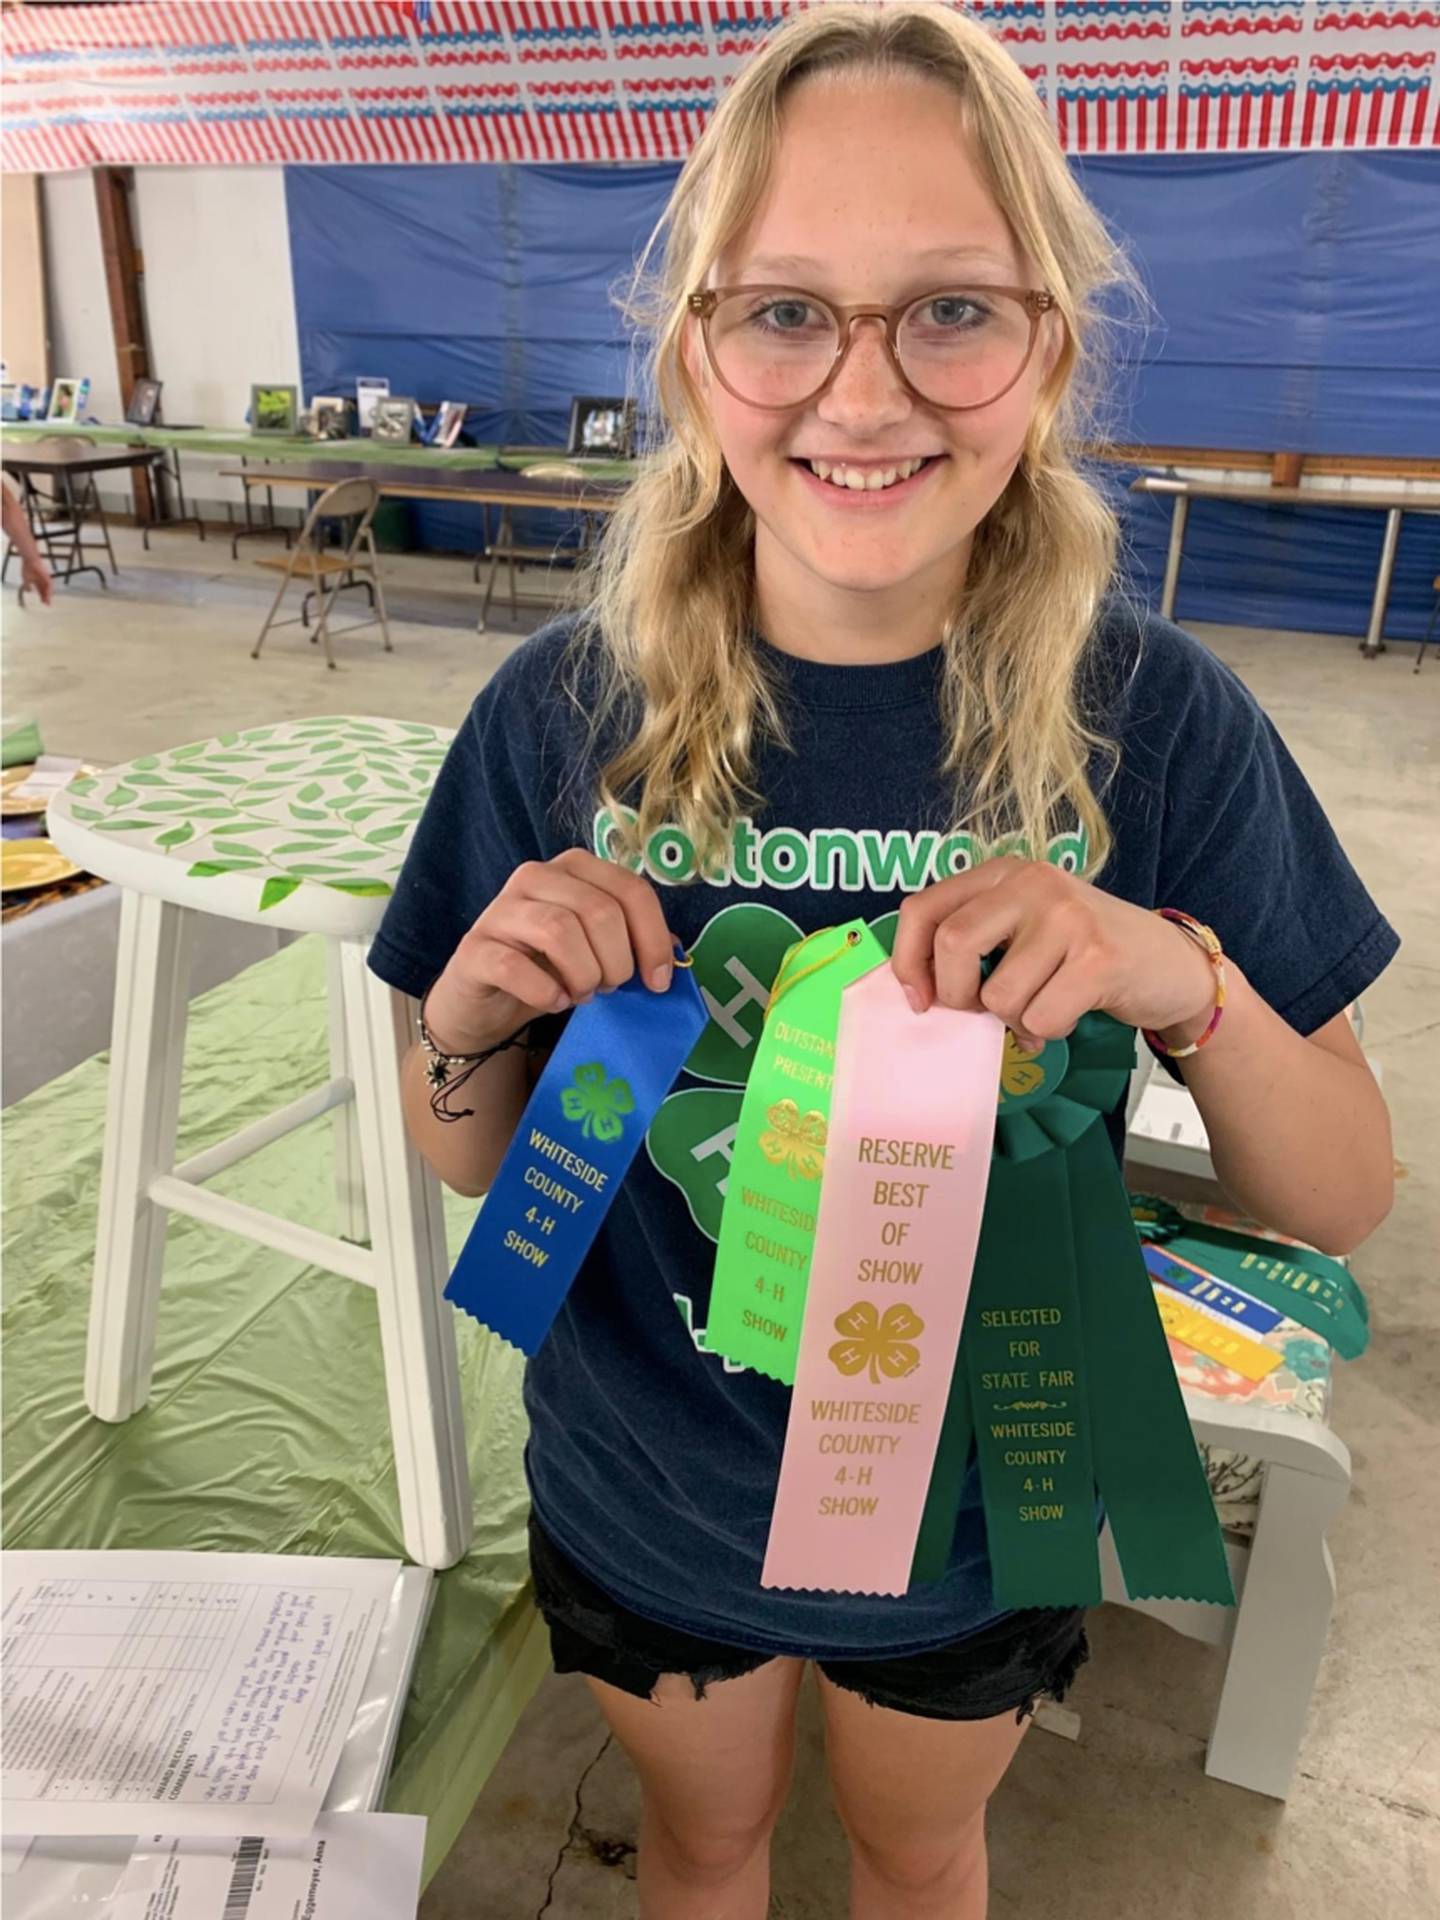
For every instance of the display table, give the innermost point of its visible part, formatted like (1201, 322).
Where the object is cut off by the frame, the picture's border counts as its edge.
(1393, 502)
(240, 443)
(71, 470)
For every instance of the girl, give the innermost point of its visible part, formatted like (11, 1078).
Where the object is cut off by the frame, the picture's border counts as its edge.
(849, 646)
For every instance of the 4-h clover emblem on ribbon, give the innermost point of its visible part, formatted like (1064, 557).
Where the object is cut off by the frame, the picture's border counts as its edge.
(1028, 1078)
(597, 1102)
(1020, 1072)
(795, 1140)
(883, 1343)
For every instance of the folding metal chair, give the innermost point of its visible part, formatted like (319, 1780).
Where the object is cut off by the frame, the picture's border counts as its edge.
(327, 572)
(1429, 631)
(59, 506)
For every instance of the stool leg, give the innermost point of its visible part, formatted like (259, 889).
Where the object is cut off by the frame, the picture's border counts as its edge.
(146, 1059)
(407, 1232)
(353, 1221)
(1280, 1633)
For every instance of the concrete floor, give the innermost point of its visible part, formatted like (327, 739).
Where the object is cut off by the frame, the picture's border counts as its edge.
(1122, 1823)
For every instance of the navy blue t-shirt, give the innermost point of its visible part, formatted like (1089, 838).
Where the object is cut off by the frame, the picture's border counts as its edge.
(652, 1461)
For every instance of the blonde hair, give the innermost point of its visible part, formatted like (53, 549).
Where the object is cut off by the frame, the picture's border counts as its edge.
(669, 593)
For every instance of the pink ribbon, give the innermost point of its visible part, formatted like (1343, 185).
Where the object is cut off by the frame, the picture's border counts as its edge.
(907, 1161)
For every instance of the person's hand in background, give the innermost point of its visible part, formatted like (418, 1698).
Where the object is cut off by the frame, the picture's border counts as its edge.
(34, 574)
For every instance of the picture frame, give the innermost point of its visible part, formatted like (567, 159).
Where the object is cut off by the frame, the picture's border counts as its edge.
(602, 427)
(329, 417)
(273, 409)
(449, 422)
(394, 418)
(369, 389)
(66, 399)
(144, 402)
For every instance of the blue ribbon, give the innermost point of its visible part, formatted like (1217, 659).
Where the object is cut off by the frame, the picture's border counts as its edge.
(1243, 1308)
(615, 1063)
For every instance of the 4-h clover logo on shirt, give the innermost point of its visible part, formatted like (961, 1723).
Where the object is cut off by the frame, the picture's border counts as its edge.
(597, 1102)
(692, 1137)
(691, 1140)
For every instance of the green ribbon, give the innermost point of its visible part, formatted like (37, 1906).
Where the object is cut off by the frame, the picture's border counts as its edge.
(1064, 1379)
(772, 1191)
(1307, 1287)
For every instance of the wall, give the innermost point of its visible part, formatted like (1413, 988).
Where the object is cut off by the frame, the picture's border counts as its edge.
(219, 302)
(81, 342)
(23, 342)
(1294, 302)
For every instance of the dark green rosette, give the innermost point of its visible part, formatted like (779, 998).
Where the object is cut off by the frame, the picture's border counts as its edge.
(1064, 1380)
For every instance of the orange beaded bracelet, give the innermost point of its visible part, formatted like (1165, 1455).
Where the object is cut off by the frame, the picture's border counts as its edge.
(1209, 942)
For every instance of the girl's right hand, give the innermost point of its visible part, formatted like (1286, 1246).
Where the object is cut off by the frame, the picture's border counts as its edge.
(557, 933)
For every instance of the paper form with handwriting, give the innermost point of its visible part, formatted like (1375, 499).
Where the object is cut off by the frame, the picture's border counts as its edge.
(180, 1693)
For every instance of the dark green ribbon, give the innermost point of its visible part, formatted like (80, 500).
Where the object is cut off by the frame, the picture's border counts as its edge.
(1307, 1287)
(1064, 1379)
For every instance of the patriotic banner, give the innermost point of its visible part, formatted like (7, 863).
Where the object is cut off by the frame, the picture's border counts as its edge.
(365, 82)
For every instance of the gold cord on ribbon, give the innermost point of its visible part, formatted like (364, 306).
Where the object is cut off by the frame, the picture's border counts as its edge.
(784, 981)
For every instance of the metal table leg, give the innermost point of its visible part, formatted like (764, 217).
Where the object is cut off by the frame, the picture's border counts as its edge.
(168, 468)
(253, 529)
(1373, 642)
(1178, 517)
(494, 553)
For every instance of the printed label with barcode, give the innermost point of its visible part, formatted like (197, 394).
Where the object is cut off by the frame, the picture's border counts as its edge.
(247, 1858)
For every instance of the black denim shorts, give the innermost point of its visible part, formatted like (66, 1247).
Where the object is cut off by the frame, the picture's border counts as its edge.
(1003, 1668)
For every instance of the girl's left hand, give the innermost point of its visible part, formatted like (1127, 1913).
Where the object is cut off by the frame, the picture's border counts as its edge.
(1069, 949)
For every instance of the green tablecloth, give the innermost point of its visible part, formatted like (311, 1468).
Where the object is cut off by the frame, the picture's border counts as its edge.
(266, 1429)
(239, 443)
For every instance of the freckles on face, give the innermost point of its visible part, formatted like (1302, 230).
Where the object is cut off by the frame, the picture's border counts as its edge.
(875, 196)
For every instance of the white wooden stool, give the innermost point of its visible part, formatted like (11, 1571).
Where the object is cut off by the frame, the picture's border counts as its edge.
(1279, 1477)
(301, 825)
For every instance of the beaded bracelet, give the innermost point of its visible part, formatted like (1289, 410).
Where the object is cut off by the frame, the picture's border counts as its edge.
(448, 1072)
(1209, 942)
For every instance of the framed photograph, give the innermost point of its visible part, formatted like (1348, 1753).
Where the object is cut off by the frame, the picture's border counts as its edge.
(66, 399)
(448, 424)
(394, 418)
(367, 392)
(328, 417)
(603, 428)
(273, 409)
(144, 402)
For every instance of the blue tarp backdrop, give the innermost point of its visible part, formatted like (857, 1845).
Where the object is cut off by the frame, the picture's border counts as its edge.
(1294, 300)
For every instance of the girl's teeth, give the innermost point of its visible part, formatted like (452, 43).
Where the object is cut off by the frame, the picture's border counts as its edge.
(859, 480)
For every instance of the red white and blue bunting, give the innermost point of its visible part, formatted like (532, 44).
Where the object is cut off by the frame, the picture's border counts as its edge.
(230, 83)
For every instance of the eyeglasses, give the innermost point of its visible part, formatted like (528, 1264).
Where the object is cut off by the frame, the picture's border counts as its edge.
(956, 348)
